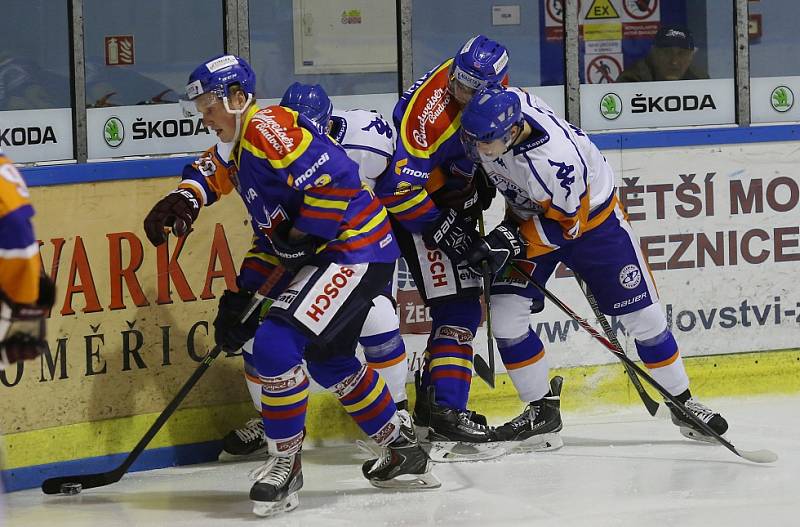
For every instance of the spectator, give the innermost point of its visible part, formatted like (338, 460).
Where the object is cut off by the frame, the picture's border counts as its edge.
(670, 59)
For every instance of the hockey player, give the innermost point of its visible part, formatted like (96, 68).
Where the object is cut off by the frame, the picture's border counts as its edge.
(26, 293)
(435, 223)
(562, 207)
(368, 140)
(308, 207)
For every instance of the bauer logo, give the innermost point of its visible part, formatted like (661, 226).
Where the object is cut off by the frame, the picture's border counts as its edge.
(113, 132)
(630, 276)
(610, 106)
(782, 99)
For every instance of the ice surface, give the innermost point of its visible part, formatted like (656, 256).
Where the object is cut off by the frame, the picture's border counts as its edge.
(617, 468)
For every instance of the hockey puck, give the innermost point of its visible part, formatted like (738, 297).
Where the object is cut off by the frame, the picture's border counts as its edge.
(70, 489)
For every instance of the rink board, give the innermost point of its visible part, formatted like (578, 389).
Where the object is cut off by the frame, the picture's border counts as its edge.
(719, 222)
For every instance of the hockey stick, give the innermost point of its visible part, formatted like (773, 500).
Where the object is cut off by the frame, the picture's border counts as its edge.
(756, 456)
(652, 406)
(483, 370)
(69, 484)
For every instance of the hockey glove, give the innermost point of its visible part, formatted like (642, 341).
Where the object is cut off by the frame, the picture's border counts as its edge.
(460, 195)
(229, 330)
(452, 234)
(293, 254)
(23, 325)
(496, 248)
(177, 211)
(486, 191)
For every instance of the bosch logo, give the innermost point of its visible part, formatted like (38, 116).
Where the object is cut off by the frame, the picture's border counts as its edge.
(330, 291)
(437, 268)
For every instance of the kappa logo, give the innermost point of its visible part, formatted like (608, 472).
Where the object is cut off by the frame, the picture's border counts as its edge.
(630, 276)
(563, 175)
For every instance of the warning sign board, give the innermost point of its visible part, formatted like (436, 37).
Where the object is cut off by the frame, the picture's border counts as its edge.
(601, 10)
(602, 68)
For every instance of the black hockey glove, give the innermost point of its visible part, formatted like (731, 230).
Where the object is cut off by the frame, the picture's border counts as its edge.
(451, 233)
(293, 254)
(496, 248)
(25, 336)
(177, 210)
(229, 330)
(460, 195)
(486, 191)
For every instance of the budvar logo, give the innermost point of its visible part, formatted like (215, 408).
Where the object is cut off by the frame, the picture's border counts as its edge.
(273, 132)
(782, 99)
(610, 106)
(113, 132)
(433, 109)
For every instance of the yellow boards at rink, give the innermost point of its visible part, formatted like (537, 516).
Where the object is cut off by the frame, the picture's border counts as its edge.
(129, 325)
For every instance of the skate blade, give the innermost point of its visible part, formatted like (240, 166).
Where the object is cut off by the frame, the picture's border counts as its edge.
(537, 443)
(691, 433)
(271, 508)
(258, 454)
(426, 480)
(457, 452)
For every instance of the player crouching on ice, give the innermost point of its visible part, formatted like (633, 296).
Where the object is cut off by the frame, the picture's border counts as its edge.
(307, 205)
(561, 206)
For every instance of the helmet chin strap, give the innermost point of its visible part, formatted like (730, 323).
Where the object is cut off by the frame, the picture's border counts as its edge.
(238, 114)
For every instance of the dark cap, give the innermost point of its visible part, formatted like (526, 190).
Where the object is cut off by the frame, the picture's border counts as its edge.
(674, 37)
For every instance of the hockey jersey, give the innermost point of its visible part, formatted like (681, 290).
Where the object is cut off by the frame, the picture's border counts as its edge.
(556, 182)
(20, 266)
(368, 140)
(427, 151)
(285, 170)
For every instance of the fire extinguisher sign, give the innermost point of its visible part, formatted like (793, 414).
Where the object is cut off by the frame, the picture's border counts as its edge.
(119, 50)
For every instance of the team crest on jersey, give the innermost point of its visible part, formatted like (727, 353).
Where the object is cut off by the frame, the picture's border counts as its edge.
(630, 276)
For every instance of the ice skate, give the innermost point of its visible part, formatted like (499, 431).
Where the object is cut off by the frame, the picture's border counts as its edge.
(714, 420)
(536, 428)
(455, 437)
(245, 443)
(276, 484)
(402, 464)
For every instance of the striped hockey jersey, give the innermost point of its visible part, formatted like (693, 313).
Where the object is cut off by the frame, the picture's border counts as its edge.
(285, 170)
(20, 266)
(428, 150)
(556, 182)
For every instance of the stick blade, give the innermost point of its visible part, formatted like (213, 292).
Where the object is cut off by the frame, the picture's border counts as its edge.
(758, 456)
(483, 370)
(86, 481)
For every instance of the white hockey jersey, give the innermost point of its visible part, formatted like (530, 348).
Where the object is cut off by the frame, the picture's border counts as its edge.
(556, 182)
(368, 140)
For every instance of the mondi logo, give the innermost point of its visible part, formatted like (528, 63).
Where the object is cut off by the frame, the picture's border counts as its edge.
(610, 106)
(113, 132)
(782, 99)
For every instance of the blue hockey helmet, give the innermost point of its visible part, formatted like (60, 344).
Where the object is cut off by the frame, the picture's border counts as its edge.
(309, 100)
(489, 116)
(480, 61)
(218, 75)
